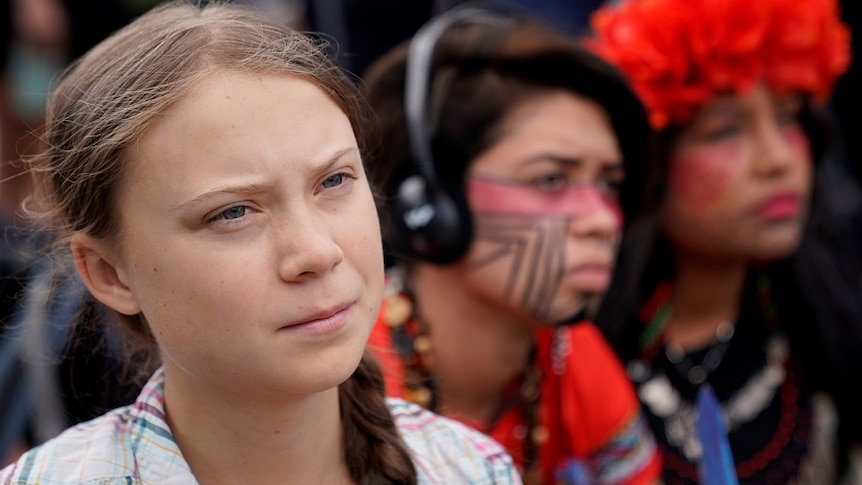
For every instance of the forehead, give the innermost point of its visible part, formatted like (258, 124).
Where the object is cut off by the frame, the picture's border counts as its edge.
(221, 94)
(552, 124)
(235, 125)
(213, 117)
(759, 98)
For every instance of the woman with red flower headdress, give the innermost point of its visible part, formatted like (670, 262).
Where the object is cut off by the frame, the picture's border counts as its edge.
(714, 303)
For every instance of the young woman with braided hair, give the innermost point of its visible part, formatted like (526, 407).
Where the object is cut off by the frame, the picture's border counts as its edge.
(204, 166)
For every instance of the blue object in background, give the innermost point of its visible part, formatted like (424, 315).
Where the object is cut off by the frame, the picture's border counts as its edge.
(716, 464)
(569, 16)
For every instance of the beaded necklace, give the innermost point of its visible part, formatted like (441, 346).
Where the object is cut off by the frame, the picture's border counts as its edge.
(777, 378)
(411, 342)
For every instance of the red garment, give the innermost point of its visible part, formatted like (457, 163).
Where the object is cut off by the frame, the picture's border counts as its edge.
(584, 409)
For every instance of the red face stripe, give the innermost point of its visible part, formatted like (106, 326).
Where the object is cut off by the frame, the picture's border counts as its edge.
(503, 197)
(701, 178)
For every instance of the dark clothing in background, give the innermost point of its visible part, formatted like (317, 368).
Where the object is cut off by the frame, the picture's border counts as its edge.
(93, 20)
(846, 100)
(366, 29)
(5, 31)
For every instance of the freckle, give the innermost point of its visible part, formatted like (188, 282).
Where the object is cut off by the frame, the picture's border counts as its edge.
(278, 431)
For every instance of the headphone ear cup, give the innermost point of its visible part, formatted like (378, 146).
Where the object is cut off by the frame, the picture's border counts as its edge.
(430, 222)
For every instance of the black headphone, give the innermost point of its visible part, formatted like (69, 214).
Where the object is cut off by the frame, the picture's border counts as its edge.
(430, 220)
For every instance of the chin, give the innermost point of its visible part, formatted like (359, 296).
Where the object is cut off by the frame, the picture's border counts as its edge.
(569, 312)
(327, 379)
(776, 249)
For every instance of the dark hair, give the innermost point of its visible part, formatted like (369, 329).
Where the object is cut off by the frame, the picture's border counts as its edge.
(480, 72)
(108, 98)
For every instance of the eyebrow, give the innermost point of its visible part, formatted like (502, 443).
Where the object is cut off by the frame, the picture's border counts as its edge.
(727, 107)
(606, 165)
(793, 102)
(252, 188)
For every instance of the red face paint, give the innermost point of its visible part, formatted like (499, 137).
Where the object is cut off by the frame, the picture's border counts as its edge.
(507, 198)
(798, 139)
(702, 178)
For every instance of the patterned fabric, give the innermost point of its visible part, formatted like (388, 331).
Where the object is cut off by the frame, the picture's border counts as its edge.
(133, 445)
(593, 413)
(446, 452)
(782, 429)
(620, 461)
(791, 441)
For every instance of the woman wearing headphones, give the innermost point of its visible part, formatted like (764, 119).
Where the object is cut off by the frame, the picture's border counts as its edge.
(508, 152)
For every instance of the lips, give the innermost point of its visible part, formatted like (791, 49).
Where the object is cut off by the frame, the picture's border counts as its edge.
(591, 277)
(784, 205)
(322, 321)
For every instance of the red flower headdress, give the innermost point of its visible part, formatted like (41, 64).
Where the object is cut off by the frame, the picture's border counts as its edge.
(678, 54)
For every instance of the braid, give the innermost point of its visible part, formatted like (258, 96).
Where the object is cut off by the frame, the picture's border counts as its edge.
(373, 448)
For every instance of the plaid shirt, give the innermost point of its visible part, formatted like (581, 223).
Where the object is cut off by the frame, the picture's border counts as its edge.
(133, 445)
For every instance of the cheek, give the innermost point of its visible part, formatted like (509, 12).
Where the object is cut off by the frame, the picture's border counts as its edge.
(360, 238)
(163, 288)
(518, 260)
(700, 179)
(798, 140)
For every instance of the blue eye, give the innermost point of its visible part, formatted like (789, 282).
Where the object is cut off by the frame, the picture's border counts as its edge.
(234, 212)
(333, 181)
(231, 213)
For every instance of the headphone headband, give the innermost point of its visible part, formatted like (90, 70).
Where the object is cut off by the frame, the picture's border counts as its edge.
(419, 72)
(431, 220)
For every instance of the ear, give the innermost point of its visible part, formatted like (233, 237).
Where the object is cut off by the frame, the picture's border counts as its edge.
(96, 263)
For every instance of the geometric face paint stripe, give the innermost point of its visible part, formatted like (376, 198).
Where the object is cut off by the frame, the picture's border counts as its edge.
(531, 252)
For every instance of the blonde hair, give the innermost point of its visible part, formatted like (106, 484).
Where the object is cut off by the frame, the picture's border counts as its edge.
(108, 98)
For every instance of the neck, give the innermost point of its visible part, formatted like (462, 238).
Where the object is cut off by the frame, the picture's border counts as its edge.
(229, 438)
(478, 346)
(706, 294)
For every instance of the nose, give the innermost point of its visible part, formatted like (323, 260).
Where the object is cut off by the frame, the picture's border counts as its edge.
(306, 248)
(597, 215)
(780, 148)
